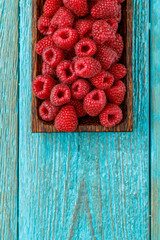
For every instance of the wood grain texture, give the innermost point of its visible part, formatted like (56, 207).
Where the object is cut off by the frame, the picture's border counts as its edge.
(8, 118)
(155, 120)
(85, 186)
(87, 124)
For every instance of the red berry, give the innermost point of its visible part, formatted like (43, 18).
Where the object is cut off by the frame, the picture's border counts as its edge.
(113, 23)
(78, 105)
(60, 95)
(102, 31)
(87, 67)
(79, 7)
(63, 18)
(85, 48)
(94, 102)
(42, 86)
(44, 25)
(119, 16)
(111, 115)
(66, 120)
(106, 56)
(80, 88)
(117, 45)
(105, 9)
(44, 43)
(51, 7)
(103, 80)
(48, 70)
(116, 93)
(52, 56)
(65, 38)
(47, 111)
(118, 70)
(66, 72)
(84, 28)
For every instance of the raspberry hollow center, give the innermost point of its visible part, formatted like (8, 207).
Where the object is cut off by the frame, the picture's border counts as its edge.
(68, 72)
(45, 111)
(64, 35)
(76, 88)
(106, 80)
(85, 48)
(60, 94)
(111, 118)
(95, 97)
(40, 86)
(81, 67)
(49, 55)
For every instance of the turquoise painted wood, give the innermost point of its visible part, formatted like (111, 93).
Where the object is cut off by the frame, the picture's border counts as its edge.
(8, 118)
(89, 185)
(155, 119)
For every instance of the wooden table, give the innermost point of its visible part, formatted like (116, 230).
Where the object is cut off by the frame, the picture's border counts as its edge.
(78, 185)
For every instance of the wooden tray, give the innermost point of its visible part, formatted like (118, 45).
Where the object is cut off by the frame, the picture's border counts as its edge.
(87, 124)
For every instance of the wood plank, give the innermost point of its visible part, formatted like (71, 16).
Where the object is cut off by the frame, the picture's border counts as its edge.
(86, 185)
(87, 123)
(155, 120)
(8, 118)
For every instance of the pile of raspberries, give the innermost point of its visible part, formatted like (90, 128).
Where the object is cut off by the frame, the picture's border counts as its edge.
(80, 71)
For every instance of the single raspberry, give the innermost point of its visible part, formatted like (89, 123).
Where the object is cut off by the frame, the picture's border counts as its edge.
(87, 67)
(94, 102)
(66, 120)
(63, 18)
(65, 38)
(52, 56)
(60, 95)
(78, 105)
(79, 7)
(116, 44)
(111, 115)
(44, 43)
(118, 70)
(44, 25)
(102, 31)
(113, 23)
(103, 80)
(42, 86)
(51, 7)
(85, 48)
(48, 70)
(84, 28)
(105, 9)
(80, 88)
(47, 111)
(66, 72)
(116, 93)
(106, 56)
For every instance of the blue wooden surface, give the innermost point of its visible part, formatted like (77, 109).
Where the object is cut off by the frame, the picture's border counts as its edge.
(76, 186)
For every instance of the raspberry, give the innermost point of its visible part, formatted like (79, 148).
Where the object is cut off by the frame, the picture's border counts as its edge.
(47, 111)
(116, 93)
(65, 38)
(42, 86)
(102, 31)
(60, 95)
(44, 43)
(113, 23)
(79, 7)
(44, 25)
(94, 102)
(66, 120)
(118, 70)
(106, 56)
(105, 9)
(65, 72)
(85, 48)
(111, 115)
(103, 80)
(51, 7)
(48, 70)
(84, 28)
(63, 18)
(116, 44)
(78, 105)
(52, 56)
(87, 67)
(119, 16)
(80, 88)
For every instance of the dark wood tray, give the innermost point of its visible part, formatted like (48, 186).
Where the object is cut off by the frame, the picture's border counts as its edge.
(87, 124)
